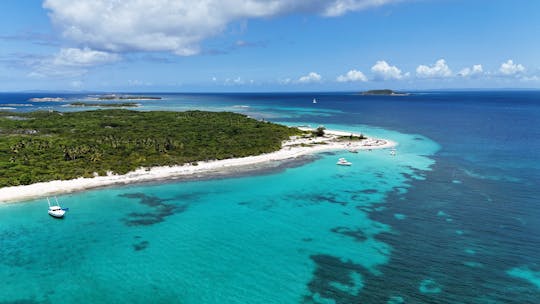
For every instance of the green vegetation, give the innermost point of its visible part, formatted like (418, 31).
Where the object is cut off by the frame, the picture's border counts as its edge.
(121, 97)
(107, 105)
(319, 131)
(384, 92)
(352, 137)
(44, 146)
(379, 92)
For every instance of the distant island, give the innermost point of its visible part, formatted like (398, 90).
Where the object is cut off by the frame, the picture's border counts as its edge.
(127, 97)
(384, 92)
(104, 105)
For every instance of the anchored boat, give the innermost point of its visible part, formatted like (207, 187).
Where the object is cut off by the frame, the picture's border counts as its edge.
(343, 162)
(55, 210)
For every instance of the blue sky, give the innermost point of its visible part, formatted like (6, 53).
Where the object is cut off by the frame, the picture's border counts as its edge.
(279, 45)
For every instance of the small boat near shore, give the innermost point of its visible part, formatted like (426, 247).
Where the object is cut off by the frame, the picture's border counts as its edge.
(314, 100)
(55, 210)
(343, 162)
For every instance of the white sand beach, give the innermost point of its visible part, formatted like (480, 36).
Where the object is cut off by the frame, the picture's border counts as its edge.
(293, 148)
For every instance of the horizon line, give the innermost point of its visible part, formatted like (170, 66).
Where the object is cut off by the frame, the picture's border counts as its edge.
(263, 92)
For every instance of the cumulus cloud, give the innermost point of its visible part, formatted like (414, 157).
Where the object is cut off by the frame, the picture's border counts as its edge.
(385, 71)
(238, 81)
(438, 70)
(510, 68)
(176, 26)
(476, 70)
(83, 57)
(309, 78)
(69, 62)
(352, 75)
(285, 81)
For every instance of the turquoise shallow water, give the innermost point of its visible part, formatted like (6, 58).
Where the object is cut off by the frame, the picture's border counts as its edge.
(247, 239)
(452, 218)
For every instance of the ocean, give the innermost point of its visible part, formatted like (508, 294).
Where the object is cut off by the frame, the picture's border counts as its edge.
(453, 217)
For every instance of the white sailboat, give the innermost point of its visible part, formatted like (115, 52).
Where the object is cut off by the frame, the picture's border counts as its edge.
(314, 100)
(55, 210)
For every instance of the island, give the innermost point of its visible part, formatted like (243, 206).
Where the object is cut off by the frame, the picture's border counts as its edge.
(127, 97)
(55, 145)
(384, 92)
(104, 105)
(45, 153)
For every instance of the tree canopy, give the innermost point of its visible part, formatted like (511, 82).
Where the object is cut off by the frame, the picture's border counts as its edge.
(44, 146)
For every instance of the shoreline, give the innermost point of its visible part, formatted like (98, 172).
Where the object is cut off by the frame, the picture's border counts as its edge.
(290, 150)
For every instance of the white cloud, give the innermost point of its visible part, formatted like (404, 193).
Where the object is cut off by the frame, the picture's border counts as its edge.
(438, 70)
(71, 62)
(138, 83)
(73, 57)
(309, 78)
(234, 81)
(382, 70)
(285, 81)
(510, 68)
(176, 26)
(238, 80)
(352, 75)
(340, 7)
(533, 78)
(476, 70)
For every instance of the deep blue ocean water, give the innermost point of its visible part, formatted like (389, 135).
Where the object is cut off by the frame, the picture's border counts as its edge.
(454, 217)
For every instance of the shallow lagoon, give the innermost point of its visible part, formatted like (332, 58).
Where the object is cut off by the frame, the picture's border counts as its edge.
(231, 239)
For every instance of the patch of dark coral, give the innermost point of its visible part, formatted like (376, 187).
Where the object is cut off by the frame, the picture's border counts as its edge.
(369, 191)
(140, 246)
(160, 210)
(329, 271)
(357, 235)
